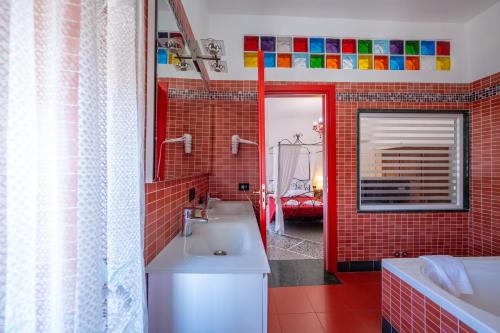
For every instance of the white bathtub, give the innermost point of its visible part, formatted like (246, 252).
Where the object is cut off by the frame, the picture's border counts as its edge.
(481, 311)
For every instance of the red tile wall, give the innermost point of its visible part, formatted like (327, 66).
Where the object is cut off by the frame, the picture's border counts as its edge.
(193, 117)
(370, 236)
(484, 233)
(234, 117)
(360, 236)
(365, 236)
(408, 310)
(164, 203)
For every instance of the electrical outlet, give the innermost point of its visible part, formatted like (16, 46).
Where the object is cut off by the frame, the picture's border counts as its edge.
(244, 187)
(192, 194)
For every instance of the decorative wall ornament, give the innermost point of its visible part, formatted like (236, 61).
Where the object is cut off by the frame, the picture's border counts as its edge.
(348, 53)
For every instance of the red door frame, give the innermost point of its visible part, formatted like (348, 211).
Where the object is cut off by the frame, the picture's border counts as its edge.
(329, 157)
(160, 129)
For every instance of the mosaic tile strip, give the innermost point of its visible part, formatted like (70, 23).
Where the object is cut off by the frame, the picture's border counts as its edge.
(192, 94)
(356, 54)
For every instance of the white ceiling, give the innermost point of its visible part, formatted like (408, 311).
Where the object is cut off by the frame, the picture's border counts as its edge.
(305, 108)
(457, 11)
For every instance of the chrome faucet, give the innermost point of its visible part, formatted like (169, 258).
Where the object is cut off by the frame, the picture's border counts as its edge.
(190, 216)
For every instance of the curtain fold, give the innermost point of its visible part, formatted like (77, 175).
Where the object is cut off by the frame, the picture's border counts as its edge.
(71, 173)
(285, 165)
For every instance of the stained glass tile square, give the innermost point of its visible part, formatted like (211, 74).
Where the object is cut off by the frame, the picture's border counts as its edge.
(161, 39)
(316, 45)
(381, 46)
(333, 61)
(284, 44)
(300, 60)
(381, 62)
(397, 63)
(251, 43)
(300, 44)
(428, 47)
(349, 62)
(443, 63)
(172, 59)
(412, 47)
(332, 45)
(250, 59)
(269, 60)
(162, 56)
(268, 43)
(427, 63)
(348, 46)
(364, 46)
(178, 36)
(284, 60)
(317, 61)
(396, 47)
(443, 48)
(365, 62)
(412, 63)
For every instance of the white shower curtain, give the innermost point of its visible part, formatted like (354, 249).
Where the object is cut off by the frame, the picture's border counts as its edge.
(71, 182)
(285, 165)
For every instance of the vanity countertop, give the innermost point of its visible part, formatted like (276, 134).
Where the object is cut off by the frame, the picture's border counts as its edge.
(232, 228)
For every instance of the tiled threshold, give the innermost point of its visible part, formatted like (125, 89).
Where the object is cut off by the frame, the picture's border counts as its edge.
(351, 307)
(286, 273)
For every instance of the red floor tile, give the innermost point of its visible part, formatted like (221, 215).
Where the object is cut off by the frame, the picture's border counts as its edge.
(352, 307)
(343, 320)
(325, 298)
(273, 324)
(271, 304)
(300, 323)
(291, 300)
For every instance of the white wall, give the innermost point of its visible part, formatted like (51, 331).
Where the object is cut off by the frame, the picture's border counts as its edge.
(288, 116)
(483, 43)
(232, 28)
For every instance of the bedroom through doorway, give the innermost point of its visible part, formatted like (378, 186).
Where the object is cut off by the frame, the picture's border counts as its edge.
(294, 172)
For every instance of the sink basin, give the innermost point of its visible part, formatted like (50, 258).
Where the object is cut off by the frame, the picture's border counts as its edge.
(231, 208)
(231, 238)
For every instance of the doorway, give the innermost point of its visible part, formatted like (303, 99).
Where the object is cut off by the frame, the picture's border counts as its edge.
(305, 224)
(294, 173)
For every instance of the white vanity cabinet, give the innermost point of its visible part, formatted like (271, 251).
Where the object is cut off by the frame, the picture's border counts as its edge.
(191, 290)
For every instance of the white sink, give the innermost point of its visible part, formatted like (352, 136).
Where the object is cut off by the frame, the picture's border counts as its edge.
(231, 238)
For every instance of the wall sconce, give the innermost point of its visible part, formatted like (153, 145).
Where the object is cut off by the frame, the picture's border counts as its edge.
(319, 127)
(213, 51)
(235, 142)
(187, 139)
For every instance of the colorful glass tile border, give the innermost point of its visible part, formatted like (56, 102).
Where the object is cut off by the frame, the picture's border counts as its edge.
(336, 53)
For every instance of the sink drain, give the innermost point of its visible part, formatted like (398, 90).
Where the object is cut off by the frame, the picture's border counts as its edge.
(220, 253)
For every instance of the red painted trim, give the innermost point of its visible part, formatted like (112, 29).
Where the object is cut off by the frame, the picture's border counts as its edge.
(160, 129)
(262, 144)
(329, 159)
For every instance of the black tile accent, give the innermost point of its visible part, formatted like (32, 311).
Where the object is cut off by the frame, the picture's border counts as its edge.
(418, 97)
(359, 266)
(387, 327)
(343, 266)
(300, 272)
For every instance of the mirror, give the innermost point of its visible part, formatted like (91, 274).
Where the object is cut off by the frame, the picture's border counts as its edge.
(181, 118)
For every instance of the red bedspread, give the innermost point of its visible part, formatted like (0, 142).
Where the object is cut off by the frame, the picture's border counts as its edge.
(298, 207)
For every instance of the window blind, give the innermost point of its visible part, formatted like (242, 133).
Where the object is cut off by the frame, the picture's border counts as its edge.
(410, 161)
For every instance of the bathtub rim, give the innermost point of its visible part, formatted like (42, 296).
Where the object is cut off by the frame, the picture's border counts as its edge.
(408, 270)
